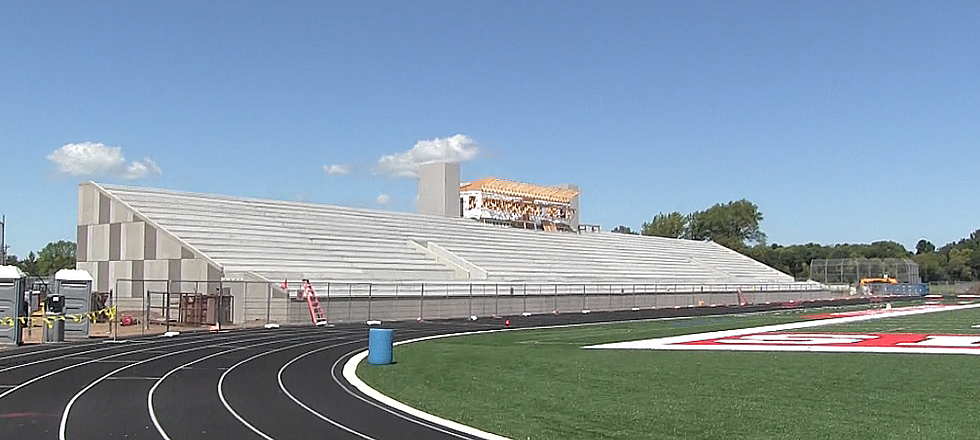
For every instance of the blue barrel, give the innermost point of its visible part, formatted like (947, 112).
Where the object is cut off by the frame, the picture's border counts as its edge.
(379, 346)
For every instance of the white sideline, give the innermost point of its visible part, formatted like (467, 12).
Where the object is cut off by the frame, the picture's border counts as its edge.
(660, 342)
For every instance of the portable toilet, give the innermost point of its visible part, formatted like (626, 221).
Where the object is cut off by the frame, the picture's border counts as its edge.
(12, 285)
(75, 287)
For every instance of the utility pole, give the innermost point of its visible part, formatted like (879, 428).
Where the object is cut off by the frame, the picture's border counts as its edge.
(3, 240)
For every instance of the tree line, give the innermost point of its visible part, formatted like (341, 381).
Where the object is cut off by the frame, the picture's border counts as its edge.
(54, 257)
(736, 225)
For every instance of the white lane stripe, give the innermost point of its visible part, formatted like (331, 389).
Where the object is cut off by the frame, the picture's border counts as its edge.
(349, 373)
(306, 407)
(221, 380)
(100, 360)
(133, 378)
(659, 342)
(4, 357)
(432, 426)
(149, 395)
(64, 416)
(142, 343)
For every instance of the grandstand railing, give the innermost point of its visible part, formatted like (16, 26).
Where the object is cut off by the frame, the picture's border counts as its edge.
(157, 305)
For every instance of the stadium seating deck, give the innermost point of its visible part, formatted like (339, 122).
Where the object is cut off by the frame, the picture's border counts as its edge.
(273, 238)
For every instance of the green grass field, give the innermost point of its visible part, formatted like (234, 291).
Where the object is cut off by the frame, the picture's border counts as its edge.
(540, 384)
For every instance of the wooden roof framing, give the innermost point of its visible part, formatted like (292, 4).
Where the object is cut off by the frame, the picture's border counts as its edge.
(519, 189)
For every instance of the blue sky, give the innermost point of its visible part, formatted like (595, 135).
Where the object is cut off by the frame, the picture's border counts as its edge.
(844, 121)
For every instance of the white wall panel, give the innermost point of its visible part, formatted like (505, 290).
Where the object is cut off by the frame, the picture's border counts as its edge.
(156, 269)
(167, 247)
(88, 205)
(119, 213)
(98, 243)
(117, 270)
(194, 270)
(92, 268)
(133, 235)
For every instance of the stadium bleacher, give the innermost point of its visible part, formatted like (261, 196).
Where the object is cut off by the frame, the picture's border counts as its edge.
(278, 239)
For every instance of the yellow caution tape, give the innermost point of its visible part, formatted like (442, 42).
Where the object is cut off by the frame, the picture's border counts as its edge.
(93, 316)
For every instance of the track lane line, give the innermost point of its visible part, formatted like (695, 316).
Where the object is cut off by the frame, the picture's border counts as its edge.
(64, 417)
(150, 394)
(228, 407)
(139, 339)
(306, 407)
(124, 348)
(333, 375)
(418, 421)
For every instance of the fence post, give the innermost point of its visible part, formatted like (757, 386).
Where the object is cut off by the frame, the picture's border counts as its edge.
(584, 296)
(350, 300)
(525, 298)
(115, 316)
(268, 301)
(555, 310)
(541, 296)
(370, 298)
(496, 299)
(471, 300)
(421, 301)
(167, 312)
(328, 302)
(219, 311)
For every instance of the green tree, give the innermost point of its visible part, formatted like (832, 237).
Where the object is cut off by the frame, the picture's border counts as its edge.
(958, 264)
(931, 267)
(624, 230)
(733, 224)
(673, 225)
(924, 247)
(29, 264)
(885, 249)
(56, 256)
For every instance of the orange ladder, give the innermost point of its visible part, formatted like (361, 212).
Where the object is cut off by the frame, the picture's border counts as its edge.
(316, 312)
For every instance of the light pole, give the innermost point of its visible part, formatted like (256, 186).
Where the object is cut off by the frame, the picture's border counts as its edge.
(3, 241)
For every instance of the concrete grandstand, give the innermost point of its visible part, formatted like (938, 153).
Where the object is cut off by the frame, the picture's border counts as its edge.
(133, 240)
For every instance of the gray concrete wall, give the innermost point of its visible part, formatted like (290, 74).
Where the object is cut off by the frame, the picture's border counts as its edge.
(439, 189)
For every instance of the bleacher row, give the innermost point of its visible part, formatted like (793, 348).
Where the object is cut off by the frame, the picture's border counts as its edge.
(280, 239)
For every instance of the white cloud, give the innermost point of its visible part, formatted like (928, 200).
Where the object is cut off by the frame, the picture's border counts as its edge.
(140, 169)
(458, 148)
(337, 170)
(383, 199)
(87, 158)
(97, 159)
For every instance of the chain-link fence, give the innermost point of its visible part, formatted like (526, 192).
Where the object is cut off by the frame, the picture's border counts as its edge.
(852, 270)
(148, 306)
